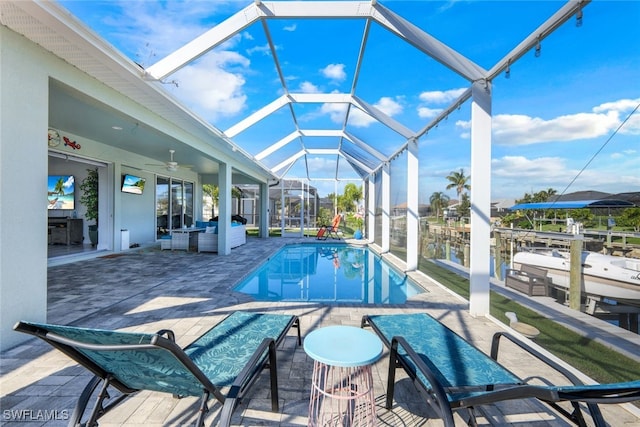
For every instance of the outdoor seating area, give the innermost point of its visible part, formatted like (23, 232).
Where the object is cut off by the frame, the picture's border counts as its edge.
(203, 237)
(529, 280)
(208, 241)
(230, 355)
(452, 374)
(191, 294)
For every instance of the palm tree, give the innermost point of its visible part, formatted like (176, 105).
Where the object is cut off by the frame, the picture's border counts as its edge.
(458, 180)
(438, 200)
(59, 188)
(352, 195)
(213, 191)
(547, 194)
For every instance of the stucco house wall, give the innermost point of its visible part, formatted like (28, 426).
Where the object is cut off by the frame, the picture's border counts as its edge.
(23, 183)
(26, 73)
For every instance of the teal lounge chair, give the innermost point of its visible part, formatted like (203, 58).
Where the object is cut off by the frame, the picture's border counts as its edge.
(229, 356)
(453, 375)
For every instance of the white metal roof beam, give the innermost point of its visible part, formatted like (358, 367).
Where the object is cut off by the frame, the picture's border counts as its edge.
(284, 172)
(204, 43)
(290, 161)
(444, 113)
(272, 47)
(323, 151)
(363, 45)
(306, 165)
(365, 147)
(549, 26)
(428, 44)
(274, 147)
(321, 132)
(248, 16)
(320, 98)
(383, 118)
(274, 106)
(315, 9)
(254, 118)
(353, 161)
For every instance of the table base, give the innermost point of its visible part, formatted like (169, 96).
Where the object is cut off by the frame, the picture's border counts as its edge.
(342, 396)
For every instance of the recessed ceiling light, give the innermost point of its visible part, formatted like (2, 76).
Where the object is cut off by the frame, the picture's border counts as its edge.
(116, 127)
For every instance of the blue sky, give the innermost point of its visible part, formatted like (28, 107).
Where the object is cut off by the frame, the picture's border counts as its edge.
(556, 119)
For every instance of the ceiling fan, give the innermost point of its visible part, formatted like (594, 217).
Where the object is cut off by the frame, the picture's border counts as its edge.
(171, 165)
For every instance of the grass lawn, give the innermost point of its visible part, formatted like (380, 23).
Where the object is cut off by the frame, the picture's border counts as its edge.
(592, 358)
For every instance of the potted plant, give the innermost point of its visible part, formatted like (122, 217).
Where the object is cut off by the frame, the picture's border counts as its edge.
(89, 199)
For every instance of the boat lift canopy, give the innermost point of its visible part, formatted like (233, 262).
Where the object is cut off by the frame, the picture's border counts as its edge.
(575, 204)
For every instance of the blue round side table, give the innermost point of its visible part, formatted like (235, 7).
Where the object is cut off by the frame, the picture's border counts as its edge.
(342, 382)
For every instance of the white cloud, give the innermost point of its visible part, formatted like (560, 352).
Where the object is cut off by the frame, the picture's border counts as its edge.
(522, 130)
(389, 106)
(290, 28)
(514, 129)
(436, 98)
(335, 112)
(359, 118)
(524, 169)
(321, 166)
(209, 89)
(510, 172)
(69, 182)
(308, 87)
(440, 97)
(428, 113)
(334, 72)
(155, 29)
(263, 49)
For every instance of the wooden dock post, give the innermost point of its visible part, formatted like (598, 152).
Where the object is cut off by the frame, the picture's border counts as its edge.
(498, 255)
(575, 273)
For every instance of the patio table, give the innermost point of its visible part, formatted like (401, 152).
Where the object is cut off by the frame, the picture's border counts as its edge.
(342, 382)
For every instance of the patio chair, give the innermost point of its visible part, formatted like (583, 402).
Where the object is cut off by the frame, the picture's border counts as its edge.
(326, 231)
(453, 375)
(229, 357)
(322, 233)
(332, 230)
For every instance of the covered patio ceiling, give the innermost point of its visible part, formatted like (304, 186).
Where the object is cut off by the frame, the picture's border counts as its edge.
(307, 140)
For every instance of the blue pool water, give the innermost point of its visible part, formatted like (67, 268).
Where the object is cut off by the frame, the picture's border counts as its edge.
(328, 273)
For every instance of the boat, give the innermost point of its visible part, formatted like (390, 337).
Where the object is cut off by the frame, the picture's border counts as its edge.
(612, 277)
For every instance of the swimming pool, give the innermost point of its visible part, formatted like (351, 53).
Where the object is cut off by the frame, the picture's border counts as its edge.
(328, 273)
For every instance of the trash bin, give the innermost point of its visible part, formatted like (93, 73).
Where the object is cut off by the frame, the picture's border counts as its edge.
(124, 240)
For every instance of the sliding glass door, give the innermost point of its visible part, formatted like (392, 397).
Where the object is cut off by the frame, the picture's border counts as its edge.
(174, 205)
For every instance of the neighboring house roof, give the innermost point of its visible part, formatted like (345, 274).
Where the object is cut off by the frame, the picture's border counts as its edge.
(580, 195)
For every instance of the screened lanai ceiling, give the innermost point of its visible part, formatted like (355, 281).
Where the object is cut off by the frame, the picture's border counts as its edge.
(312, 119)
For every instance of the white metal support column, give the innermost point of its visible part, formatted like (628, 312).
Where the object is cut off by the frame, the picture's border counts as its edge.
(371, 207)
(303, 200)
(386, 208)
(480, 198)
(224, 210)
(264, 211)
(282, 223)
(412, 205)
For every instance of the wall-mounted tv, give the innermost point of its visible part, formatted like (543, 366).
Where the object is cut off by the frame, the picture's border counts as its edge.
(132, 184)
(61, 192)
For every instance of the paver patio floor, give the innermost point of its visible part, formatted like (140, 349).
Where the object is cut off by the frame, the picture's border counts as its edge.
(148, 289)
